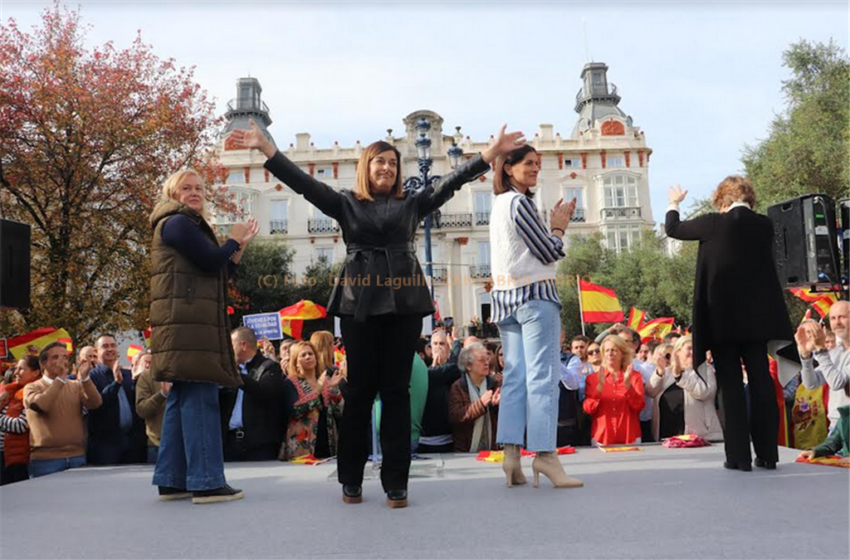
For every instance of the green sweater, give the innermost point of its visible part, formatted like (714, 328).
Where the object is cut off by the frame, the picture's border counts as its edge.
(838, 443)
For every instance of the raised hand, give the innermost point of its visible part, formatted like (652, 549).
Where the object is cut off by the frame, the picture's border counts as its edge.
(627, 377)
(676, 195)
(497, 397)
(252, 138)
(84, 370)
(487, 397)
(505, 142)
(805, 342)
(117, 373)
(336, 378)
(562, 213)
(253, 228)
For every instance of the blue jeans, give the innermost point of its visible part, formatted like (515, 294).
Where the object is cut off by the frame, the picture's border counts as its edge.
(191, 455)
(529, 402)
(42, 467)
(153, 451)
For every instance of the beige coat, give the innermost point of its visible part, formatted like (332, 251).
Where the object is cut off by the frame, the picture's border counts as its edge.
(700, 415)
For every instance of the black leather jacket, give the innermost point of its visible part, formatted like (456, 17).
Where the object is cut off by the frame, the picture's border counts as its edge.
(381, 274)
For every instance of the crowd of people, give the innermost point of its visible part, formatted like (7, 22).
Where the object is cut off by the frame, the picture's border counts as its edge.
(57, 416)
(206, 394)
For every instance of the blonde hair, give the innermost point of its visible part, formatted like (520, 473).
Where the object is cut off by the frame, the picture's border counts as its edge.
(680, 344)
(293, 371)
(733, 188)
(362, 187)
(323, 341)
(626, 350)
(171, 187)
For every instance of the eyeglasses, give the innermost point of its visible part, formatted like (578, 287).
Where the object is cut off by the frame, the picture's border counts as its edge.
(597, 351)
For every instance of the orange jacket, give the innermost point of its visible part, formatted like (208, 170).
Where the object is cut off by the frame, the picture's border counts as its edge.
(16, 447)
(616, 410)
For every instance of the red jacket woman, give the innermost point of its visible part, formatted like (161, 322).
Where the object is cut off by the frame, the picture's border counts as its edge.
(16, 436)
(614, 396)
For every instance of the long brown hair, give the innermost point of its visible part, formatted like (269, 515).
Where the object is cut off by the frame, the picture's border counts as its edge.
(501, 179)
(324, 343)
(362, 188)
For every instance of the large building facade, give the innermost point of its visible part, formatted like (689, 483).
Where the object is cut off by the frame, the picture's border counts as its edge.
(603, 164)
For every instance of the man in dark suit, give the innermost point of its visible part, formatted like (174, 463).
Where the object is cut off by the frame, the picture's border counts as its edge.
(739, 313)
(116, 432)
(254, 416)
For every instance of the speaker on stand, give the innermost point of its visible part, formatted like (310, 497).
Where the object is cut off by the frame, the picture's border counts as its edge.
(14, 265)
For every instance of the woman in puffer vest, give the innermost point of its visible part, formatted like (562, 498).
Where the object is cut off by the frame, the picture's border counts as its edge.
(190, 338)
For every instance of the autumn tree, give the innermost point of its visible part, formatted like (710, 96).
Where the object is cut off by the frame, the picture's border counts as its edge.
(87, 137)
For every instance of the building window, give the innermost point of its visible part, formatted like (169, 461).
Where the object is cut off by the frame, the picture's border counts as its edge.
(578, 194)
(482, 203)
(279, 216)
(622, 238)
(324, 172)
(572, 163)
(236, 176)
(616, 161)
(620, 191)
(325, 253)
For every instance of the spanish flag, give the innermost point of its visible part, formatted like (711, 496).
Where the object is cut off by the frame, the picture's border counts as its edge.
(292, 318)
(39, 338)
(657, 328)
(132, 351)
(339, 356)
(821, 301)
(599, 304)
(636, 318)
(306, 460)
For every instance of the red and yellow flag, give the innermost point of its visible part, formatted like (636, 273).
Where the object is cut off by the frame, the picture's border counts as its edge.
(820, 301)
(292, 318)
(657, 328)
(39, 338)
(636, 318)
(132, 351)
(599, 304)
(147, 335)
(306, 460)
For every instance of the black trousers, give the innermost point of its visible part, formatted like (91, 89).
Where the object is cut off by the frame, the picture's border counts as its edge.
(236, 449)
(379, 352)
(763, 421)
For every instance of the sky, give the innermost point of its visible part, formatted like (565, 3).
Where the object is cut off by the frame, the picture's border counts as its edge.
(701, 79)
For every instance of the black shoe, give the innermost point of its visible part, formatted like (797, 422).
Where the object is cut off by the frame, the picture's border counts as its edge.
(223, 494)
(769, 465)
(746, 467)
(397, 498)
(352, 494)
(167, 493)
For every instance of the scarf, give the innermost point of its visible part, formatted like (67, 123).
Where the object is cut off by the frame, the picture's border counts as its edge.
(481, 431)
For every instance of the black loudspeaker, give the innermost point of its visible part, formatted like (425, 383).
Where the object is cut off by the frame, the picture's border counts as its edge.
(14, 265)
(805, 242)
(844, 210)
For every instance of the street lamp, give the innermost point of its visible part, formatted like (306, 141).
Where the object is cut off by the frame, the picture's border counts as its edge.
(423, 148)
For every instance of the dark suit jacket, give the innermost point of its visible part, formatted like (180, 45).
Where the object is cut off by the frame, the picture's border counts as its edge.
(266, 404)
(104, 422)
(737, 295)
(379, 238)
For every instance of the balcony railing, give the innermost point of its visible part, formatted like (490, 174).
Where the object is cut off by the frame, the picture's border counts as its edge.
(445, 221)
(246, 105)
(482, 218)
(479, 271)
(322, 226)
(278, 227)
(441, 273)
(578, 215)
(627, 213)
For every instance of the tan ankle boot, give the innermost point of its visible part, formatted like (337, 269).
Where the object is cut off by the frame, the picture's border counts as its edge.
(548, 464)
(513, 466)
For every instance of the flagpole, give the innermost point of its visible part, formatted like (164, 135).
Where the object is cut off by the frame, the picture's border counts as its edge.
(580, 311)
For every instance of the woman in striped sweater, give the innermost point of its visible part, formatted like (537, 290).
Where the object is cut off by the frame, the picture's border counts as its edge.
(14, 430)
(524, 253)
